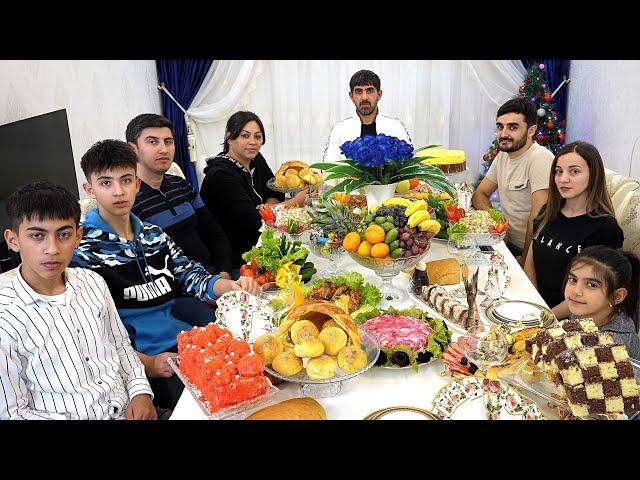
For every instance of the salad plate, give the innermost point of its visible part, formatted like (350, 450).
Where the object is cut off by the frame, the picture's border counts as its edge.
(519, 313)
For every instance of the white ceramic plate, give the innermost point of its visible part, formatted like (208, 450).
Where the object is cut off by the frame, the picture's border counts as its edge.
(463, 400)
(245, 315)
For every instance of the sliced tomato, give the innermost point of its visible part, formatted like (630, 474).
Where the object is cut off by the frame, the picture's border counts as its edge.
(247, 271)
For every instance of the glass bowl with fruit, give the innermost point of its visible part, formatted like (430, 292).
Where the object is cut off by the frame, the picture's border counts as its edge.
(397, 237)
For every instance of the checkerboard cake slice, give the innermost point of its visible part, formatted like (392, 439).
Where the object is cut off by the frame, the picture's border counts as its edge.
(571, 341)
(537, 345)
(598, 379)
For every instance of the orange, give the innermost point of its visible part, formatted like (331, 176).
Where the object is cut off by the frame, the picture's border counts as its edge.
(374, 234)
(351, 241)
(380, 250)
(342, 197)
(364, 250)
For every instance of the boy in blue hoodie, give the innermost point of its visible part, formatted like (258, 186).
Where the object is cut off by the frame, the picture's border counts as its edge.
(141, 264)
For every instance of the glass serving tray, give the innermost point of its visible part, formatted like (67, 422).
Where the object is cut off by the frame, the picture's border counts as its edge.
(531, 381)
(228, 412)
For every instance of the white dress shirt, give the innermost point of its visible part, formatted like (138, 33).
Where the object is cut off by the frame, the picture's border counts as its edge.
(65, 357)
(349, 129)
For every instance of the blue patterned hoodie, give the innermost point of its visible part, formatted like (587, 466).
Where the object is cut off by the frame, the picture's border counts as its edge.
(144, 276)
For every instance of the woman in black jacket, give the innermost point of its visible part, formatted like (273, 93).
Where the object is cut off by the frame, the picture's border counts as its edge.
(235, 184)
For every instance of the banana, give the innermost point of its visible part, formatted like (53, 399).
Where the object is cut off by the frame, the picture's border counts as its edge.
(414, 207)
(374, 208)
(404, 202)
(418, 217)
(431, 226)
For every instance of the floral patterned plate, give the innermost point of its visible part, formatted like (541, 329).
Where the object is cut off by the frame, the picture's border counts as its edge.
(245, 315)
(465, 400)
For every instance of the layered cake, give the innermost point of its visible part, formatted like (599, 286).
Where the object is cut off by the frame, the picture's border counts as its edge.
(449, 161)
(572, 341)
(537, 345)
(598, 379)
(223, 369)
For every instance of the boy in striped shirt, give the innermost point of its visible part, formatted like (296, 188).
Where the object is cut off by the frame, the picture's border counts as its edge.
(64, 353)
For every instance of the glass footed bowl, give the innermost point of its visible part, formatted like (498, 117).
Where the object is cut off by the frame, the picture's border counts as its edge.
(323, 248)
(386, 269)
(332, 386)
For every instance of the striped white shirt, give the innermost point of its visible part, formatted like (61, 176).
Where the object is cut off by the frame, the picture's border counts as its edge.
(69, 359)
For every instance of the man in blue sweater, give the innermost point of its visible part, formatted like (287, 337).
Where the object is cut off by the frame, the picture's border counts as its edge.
(141, 264)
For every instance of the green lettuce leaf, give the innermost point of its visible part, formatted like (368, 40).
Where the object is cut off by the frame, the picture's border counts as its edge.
(495, 214)
(370, 293)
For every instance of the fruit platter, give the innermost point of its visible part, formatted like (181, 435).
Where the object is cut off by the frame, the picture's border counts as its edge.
(408, 338)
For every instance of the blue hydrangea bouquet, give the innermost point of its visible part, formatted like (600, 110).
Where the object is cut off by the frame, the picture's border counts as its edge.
(381, 160)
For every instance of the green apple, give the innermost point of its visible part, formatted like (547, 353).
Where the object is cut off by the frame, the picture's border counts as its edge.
(403, 186)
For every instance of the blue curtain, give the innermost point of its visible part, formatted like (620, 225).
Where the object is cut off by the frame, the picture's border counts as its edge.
(183, 79)
(555, 70)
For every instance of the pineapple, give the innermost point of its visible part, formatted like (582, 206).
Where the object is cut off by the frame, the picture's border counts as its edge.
(329, 216)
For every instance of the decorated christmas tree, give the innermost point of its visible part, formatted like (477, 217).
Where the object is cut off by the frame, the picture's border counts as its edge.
(551, 130)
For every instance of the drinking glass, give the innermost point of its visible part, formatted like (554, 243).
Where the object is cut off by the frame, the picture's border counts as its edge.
(462, 247)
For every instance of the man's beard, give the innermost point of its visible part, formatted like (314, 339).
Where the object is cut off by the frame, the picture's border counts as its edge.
(515, 146)
(366, 110)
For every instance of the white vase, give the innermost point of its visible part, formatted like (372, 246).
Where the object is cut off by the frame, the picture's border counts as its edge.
(378, 193)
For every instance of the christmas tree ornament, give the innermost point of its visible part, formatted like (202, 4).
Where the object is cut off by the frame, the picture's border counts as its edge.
(544, 85)
(561, 137)
(541, 66)
(549, 125)
(540, 138)
(542, 112)
(547, 97)
(494, 153)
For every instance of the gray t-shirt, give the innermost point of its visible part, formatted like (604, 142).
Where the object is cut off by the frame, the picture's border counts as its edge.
(517, 179)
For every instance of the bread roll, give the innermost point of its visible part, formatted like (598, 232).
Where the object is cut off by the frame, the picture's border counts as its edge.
(445, 271)
(309, 348)
(287, 364)
(268, 346)
(281, 181)
(352, 359)
(304, 408)
(334, 340)
(303, 329)
(292, 181)
(321, 368)
(329, 323)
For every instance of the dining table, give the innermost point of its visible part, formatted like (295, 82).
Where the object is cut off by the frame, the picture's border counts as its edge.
(378, 388)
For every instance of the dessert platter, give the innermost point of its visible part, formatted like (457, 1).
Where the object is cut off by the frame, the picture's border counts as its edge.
(580, 370)
(220, 371)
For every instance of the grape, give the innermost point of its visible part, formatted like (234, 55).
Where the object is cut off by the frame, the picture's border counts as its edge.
(412, 229)
(414, 250)
(407, 253)
(401, 244)
(406, 236)
(408, 242)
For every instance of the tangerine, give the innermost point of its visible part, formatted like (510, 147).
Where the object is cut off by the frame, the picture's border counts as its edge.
(351, 241)
(364, 250)
(379, 250)
(374, 234)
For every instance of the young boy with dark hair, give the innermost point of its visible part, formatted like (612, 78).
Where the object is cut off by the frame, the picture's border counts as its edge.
(142, 265)
(64, 353)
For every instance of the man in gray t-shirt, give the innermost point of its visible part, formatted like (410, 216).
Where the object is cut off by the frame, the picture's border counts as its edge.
(520, 172)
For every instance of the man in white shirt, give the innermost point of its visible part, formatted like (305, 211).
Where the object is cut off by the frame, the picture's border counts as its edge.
(64, 353)
(520, 172)
(365, 94)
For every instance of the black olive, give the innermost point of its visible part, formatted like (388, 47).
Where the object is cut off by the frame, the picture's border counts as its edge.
(400, 359)
(382, 358)
(424, 357)
(472, 368)
(463, 361)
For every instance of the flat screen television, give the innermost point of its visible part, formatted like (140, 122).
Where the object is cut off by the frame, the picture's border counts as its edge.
(35, 149)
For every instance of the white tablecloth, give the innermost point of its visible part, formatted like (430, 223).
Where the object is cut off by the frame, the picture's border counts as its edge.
(380, 387)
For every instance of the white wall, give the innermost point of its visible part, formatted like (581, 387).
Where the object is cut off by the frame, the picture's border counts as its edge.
(100, 96)
(604, 109)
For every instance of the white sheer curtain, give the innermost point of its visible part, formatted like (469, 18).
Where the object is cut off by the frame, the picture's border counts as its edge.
(448, 102)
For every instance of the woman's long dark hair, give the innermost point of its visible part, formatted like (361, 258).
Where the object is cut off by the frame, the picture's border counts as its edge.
(598, 200)
(236, 123)
(616, 269)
